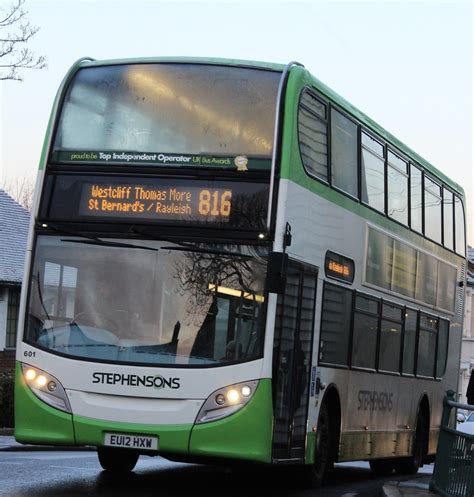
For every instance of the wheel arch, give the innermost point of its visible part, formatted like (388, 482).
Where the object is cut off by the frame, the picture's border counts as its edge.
(424, 412)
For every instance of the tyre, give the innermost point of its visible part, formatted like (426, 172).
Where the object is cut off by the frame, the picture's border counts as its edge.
(117, 460)
(381, 467)
(411, 465)
(323, 454)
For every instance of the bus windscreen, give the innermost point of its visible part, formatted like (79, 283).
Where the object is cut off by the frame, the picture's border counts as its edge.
(191, 115)
(147, 302)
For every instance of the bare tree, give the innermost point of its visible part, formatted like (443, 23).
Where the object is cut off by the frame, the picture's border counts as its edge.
(197, 270)
(15, 32)
(22, 190)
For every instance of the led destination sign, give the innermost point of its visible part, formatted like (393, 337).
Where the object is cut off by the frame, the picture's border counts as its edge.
(339, 267)
(148, 202)
(128, 199)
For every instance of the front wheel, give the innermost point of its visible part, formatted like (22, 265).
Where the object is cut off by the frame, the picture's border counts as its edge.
(323, 459)
(117, 460)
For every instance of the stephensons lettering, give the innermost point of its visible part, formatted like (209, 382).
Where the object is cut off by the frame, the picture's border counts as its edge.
(134, 380)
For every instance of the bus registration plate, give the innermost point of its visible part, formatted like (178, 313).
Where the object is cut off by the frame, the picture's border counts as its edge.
(131, 441)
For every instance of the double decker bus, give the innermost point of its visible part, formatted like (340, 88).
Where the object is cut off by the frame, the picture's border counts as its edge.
(228, 261)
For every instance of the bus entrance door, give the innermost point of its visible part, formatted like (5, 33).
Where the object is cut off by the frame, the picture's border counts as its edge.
(294, 329)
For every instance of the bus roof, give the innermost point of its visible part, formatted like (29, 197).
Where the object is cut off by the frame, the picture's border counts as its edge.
(319, 85)
(187, 60)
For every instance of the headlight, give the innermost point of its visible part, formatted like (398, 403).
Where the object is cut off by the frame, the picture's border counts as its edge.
(226, 401)
(46, 387)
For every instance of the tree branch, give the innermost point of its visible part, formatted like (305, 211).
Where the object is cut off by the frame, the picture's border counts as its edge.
(14, 55)
(15, 14)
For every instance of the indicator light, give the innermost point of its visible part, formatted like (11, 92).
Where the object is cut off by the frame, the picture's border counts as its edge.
(246, 391)
(220, 399)
(52, 386)
(30, 374)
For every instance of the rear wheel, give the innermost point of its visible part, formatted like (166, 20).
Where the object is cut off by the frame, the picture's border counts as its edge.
(410, 465)
(381, 467)
(117, 460)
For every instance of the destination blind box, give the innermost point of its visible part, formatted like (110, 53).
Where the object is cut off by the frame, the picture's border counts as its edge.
(229, 204)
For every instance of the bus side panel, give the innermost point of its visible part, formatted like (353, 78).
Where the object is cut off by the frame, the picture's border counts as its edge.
(36, 422)
(246, 435)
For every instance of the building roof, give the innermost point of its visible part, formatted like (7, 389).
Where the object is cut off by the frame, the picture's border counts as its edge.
(14, 222)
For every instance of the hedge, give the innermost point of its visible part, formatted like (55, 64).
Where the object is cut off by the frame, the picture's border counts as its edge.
(6, 399)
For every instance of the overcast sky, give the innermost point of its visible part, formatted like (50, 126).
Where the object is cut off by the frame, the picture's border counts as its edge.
(408, 65)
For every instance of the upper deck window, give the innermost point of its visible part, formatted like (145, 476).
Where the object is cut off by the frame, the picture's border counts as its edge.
(459, 226)
(170, 109)
(373, 182)
(432, 210)
(397, 180)
(343, 153)
(448, 218)
(416, 195)
(313, 135)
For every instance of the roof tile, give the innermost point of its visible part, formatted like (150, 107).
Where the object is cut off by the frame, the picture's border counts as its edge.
(14, 222)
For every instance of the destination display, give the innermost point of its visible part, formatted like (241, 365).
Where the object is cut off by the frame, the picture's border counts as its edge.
(164, 200)
(148, 202)
(339, 267)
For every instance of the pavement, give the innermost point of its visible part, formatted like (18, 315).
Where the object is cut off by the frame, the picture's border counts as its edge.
(415, 488)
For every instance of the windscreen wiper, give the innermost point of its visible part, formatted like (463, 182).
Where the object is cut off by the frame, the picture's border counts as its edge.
(62, 231)
(105, 243)
(189, 247)
(93, 240)
(182, 248)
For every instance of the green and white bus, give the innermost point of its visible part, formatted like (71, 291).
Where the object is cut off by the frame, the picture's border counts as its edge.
(229, 262)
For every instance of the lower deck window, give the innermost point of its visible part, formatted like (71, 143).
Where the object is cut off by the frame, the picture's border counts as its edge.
(442, 355)
(365, 332)
(390, 338)
(409, 342)
(390, 341)
(335, 325)
(427, 346)
(364, 341)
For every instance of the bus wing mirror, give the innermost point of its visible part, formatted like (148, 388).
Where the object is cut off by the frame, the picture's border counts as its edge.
(276, 272)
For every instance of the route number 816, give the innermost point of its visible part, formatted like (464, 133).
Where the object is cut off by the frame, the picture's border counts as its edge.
(215, 202)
